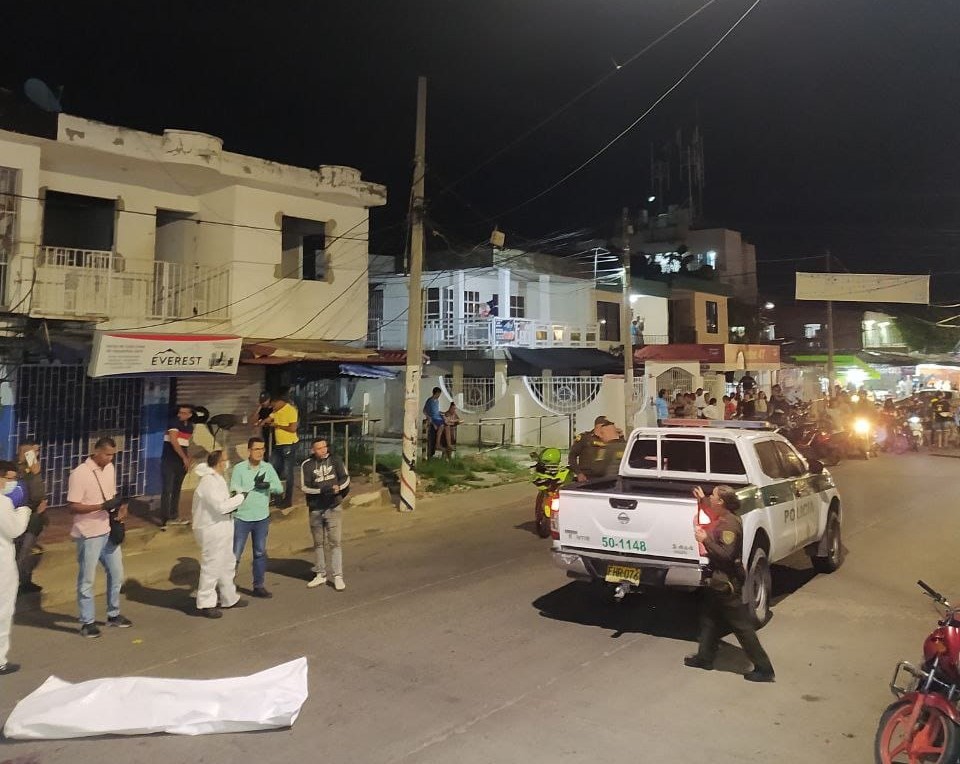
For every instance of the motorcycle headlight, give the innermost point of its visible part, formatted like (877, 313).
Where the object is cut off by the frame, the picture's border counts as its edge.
(861, 426)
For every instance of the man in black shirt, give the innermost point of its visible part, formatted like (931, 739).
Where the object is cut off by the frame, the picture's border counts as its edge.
(174, 464)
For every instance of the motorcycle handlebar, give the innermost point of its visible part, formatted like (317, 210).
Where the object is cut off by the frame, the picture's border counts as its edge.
(933, 593)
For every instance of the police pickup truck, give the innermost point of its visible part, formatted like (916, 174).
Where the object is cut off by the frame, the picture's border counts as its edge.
(637, 529)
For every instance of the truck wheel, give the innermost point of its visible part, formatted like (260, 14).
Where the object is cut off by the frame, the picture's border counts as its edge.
(758, 587)
(834, 556)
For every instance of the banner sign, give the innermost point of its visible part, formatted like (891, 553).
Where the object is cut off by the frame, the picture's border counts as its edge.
(863, 287)
(169, 354)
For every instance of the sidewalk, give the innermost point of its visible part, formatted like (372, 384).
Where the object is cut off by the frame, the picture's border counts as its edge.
(152, 556)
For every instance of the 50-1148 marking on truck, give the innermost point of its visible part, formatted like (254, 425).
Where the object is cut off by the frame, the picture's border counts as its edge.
(631, 545)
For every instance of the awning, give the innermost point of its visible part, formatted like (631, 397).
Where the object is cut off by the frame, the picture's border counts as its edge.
(532, 361)
(367, 371)
(839, 361)
(274, 352)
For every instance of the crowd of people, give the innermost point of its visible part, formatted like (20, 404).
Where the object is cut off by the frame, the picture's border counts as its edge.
(747, 402)
(225, 515)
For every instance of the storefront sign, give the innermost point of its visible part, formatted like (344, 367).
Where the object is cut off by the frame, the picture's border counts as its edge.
(169, 354)
(754, 357)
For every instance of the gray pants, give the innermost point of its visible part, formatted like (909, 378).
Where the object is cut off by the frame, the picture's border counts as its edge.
(327, 529)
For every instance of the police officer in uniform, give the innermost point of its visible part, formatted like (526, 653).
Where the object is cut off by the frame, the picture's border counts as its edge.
(592, 453)
(722, 608)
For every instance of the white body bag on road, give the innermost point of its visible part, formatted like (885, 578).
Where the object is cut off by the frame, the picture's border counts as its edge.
(144, 705)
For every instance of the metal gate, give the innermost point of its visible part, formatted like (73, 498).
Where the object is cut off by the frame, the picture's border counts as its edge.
(65, 411)
(675, 380)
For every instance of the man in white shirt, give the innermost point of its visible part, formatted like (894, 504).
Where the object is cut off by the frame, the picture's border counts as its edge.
(701, 400)
(710, 411)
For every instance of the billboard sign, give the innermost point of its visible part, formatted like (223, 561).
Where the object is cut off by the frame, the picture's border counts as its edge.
(863, 287)
(117, 353)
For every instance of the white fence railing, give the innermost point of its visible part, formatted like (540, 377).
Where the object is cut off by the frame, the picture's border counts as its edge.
(83, 282)
(476, 333)
(564, 395)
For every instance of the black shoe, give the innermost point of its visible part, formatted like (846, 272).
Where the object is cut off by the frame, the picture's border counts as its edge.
(119, 622)
(695, 661)
(9, 668)
(211, 612)
(760, 676)
(238, 603)
(28, 587)
(262, 593)
(89, 630)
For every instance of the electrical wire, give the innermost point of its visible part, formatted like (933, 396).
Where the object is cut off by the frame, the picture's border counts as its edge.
(570, 103)
(633, 124)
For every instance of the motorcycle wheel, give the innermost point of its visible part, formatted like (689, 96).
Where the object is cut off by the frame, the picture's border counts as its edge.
(934, 739)
(543, 522)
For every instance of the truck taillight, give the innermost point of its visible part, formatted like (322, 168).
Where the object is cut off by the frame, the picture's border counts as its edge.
(703, 518)
(554, 503)
(555, 518)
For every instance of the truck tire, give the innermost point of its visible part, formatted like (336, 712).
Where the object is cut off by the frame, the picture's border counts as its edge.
(758, 587)
(834, 556)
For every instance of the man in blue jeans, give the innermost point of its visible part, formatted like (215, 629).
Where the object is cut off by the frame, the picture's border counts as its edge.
(91, 496)
(258, 479)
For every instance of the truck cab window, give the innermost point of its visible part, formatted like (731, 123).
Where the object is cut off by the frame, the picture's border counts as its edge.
(643, 455)
(725, 458)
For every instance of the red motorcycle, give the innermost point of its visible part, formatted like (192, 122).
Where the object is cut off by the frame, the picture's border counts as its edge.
(921, 725)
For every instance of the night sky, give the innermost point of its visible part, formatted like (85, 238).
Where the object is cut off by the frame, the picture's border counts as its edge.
(827, 123)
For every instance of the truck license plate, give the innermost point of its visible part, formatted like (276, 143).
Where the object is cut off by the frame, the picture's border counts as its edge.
(618, 573)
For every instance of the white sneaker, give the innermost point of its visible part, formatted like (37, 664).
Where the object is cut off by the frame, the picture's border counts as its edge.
(318, 580)
(338, 583)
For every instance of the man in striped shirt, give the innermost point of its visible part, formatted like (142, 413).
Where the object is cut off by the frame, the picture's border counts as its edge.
(174, 464)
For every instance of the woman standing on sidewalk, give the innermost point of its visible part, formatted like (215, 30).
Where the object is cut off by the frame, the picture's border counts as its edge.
(213, 509)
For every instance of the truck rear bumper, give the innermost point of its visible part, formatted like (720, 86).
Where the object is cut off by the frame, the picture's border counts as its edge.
(655, 572)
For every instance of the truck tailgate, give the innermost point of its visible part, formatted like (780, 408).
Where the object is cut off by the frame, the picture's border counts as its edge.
(637, 526)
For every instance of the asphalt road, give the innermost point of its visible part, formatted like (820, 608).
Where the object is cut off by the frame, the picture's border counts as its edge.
(462, 643)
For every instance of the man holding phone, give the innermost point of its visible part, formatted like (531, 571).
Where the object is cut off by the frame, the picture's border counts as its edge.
(91, 497)
(256, 478)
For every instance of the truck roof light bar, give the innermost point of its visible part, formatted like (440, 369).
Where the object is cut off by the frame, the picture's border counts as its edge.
(732, 424)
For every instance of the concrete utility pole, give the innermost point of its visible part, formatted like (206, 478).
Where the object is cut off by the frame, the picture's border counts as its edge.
(414, 370)
(829, 335)
(629, 392)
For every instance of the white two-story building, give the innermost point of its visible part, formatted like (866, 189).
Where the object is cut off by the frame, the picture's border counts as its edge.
(124, 254)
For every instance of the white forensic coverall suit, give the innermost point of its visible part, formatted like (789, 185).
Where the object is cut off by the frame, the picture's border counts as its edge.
(13, 522)
(213, 528)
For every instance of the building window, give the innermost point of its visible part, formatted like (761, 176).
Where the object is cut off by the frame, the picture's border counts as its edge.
(738, 333)
(304, 249)
(713, 317)
(471, 304)
(608, 316)
(811, 331)
(517, 306)
(769, 332)
(76, 222)
(9, 184)
(431, 304)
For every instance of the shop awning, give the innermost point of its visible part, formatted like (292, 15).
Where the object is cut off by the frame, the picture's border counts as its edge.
(839, 361)
(532, 361)
(274, 352)
(367, 371)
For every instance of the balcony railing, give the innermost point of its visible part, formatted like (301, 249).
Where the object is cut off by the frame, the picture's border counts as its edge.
(479, 333)
(83, 283)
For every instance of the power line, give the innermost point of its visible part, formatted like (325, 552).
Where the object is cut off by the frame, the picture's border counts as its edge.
(636, 122)
(577, 98)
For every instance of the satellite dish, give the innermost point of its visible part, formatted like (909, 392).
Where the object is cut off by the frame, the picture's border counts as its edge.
(42, 96)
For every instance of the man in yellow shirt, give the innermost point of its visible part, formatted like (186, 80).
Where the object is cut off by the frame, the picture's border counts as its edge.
(284, 421)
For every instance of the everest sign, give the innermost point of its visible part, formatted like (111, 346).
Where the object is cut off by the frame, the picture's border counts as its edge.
(169, 354)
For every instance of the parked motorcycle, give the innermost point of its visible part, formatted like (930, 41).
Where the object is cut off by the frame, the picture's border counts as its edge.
(549, 476)
(863, 437)
(921, 725)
